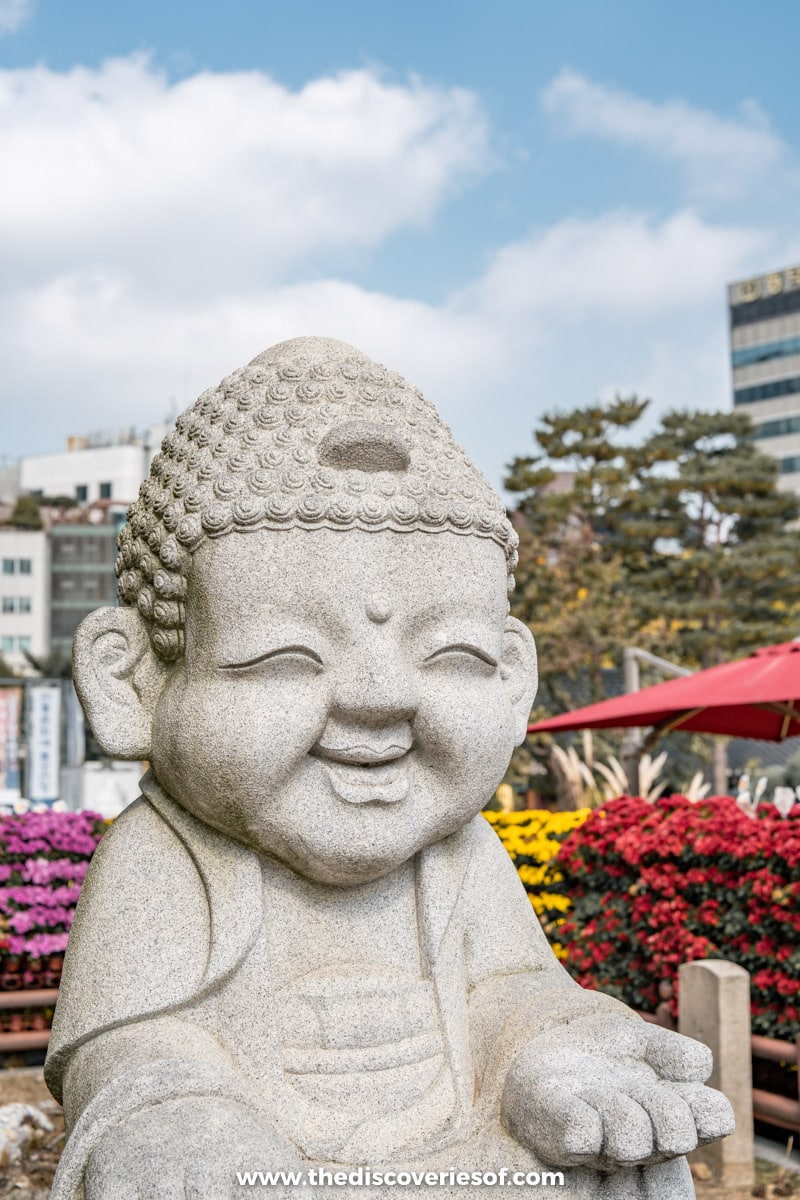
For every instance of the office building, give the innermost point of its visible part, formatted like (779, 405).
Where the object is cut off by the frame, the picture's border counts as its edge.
(765, 361)
(82, 575)
(94, 467)
(24, 595)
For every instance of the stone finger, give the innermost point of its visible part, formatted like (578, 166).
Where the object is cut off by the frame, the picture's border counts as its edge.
(561, 1129)
(627, 1129)
(675, 1057)
(712, 1112)
(672, 1120)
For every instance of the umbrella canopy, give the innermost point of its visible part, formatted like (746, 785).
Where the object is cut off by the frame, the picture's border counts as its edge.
(754, 697)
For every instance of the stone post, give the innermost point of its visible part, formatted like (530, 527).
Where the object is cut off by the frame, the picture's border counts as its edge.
(715, 1009)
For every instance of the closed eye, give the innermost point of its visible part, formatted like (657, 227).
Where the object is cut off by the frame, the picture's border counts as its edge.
(463, 648)
(281, 652)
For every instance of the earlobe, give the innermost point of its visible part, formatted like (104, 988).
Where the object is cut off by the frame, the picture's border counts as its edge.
(118, 678)
(519, 671)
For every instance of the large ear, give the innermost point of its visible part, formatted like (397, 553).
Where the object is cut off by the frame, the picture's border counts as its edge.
(519, 671)
(118, 677)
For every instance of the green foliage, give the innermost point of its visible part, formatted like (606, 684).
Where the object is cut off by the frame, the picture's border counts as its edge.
(680, 544)
(25, 513)
(55, 665)
(706, 537)
(652, 886)
(570, 583)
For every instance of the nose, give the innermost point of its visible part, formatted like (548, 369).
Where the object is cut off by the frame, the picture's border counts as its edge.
(376, 686)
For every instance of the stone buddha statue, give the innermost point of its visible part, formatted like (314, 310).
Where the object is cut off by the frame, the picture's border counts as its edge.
(303, 949)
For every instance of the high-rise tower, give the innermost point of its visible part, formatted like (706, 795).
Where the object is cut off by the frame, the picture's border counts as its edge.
(765, 359)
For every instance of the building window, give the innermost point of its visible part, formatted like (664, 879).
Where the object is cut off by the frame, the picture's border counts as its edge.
(790, 465)
(9, 604)
(105, 491)
(778, 428)
(765, 352)
(81, 493)
(8, 566)
(767, 391)
(24, 643)
(24, 566)
(25, 604)
(8, 645)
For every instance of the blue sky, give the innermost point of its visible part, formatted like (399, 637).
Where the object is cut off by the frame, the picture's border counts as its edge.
(521, 206)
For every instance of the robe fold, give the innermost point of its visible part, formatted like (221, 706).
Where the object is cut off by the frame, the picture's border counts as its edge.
(169, 921)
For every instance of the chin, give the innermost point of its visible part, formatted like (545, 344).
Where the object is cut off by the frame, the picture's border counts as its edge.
(349, 866)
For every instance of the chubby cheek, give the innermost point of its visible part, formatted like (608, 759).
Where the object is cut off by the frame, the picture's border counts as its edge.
(465, 733)
(222, 747)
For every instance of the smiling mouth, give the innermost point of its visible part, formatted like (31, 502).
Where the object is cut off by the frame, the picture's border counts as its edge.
(362, 774)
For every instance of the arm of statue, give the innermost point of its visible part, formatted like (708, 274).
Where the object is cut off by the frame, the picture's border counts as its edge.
(157, 1110)
(608, 1089)
(581, 1079)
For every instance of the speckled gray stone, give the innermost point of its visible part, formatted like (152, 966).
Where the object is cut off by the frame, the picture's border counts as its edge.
(303, 946)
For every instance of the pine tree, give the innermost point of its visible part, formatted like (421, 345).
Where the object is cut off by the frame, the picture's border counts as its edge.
(682, 544)
(570, 582)
(707, 540)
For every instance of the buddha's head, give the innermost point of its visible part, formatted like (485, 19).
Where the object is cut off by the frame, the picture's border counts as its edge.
(313, 646)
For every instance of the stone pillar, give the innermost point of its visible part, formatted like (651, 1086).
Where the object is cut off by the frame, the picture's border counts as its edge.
(715, 1009)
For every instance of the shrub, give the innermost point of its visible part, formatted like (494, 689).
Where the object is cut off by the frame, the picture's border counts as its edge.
(533, 838)
(43, 860)
(652, 886)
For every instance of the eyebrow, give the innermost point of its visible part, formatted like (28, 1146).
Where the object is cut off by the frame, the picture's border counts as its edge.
(468, 647)
(251, 662)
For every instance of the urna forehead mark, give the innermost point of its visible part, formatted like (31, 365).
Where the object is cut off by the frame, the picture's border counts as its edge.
(378, 607)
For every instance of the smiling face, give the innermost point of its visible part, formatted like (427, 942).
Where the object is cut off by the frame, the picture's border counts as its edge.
(343, 700)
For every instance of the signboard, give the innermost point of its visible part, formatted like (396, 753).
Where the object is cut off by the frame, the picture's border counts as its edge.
(10, 709)
(765, 285)
(44, 743)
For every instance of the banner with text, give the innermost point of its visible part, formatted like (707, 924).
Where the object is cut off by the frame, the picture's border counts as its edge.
(44, 742)
(10, 710)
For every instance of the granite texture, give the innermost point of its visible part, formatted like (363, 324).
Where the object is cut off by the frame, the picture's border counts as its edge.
(303, 945)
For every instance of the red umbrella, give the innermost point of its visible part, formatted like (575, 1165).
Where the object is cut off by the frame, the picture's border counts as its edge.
(754, 697)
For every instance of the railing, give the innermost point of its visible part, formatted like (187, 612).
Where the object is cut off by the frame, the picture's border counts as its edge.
(767, 1106)
(26, 1039)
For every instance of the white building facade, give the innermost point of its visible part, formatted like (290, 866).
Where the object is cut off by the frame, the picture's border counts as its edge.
(86, 474)
(765, 362)
(24, 594)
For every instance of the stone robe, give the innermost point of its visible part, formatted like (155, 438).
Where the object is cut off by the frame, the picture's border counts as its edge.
(176, 1015)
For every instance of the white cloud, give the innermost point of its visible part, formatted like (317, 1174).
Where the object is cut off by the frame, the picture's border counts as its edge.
(619, 263)
(573, 312)
(218, 175)
(14, 13)
(158, 235)
(721, 157)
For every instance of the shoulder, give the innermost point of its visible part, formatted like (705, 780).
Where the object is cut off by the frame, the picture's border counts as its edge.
(141, 881)
(140, 939)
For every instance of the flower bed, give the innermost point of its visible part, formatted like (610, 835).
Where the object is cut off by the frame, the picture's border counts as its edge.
(43, 860)
(533, 838)
(652, 886)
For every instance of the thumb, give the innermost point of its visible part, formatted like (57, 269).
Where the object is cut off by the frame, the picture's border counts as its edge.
(675, 1057)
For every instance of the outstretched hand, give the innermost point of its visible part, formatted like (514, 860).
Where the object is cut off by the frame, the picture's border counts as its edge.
(606, 1091)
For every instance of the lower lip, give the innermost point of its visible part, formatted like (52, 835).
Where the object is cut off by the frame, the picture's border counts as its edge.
(386, 784)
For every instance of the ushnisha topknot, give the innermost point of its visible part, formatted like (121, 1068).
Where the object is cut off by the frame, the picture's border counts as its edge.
(311, 434)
